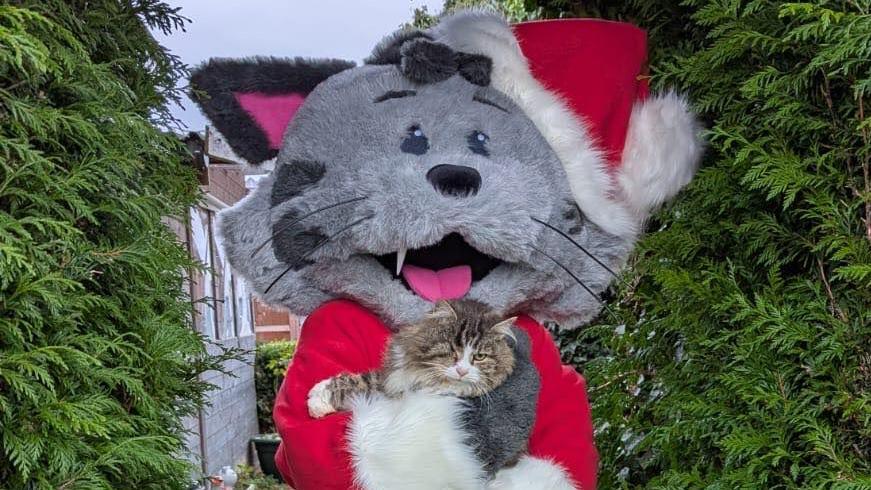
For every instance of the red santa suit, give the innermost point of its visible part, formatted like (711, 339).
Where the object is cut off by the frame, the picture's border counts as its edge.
(342, 336)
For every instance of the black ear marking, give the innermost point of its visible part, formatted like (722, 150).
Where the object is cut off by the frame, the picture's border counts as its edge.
(293, 178)
(290, 245)
(215, 84)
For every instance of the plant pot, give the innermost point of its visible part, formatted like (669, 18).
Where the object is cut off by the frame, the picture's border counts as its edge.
(266, 446)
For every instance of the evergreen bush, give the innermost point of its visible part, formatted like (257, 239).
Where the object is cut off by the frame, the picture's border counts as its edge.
(745, 356)
(270, 364)
(99, 362)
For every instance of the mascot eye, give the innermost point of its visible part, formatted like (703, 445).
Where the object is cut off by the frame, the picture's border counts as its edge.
(415, 141)
(478, 143)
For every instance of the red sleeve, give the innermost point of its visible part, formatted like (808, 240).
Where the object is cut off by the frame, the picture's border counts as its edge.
(563, 430)
(340, 336)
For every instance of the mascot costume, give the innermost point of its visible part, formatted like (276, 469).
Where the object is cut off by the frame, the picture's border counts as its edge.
(511, 165)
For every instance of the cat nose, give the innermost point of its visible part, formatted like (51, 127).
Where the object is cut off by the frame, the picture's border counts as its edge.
(454, 180)
(462, 371)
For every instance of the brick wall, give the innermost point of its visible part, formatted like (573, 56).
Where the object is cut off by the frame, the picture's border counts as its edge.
(272, 323)
(227, 183)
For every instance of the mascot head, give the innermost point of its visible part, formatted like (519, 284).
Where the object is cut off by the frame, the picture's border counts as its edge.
(447, 166)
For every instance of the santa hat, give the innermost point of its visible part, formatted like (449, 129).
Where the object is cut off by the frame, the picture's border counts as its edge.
(583, 83)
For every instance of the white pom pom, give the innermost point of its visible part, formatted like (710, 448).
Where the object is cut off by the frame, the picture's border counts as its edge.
(662, 152)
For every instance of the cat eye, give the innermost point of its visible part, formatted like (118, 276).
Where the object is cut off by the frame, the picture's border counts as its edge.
(415, 142)
(477, 142)
(479, 357)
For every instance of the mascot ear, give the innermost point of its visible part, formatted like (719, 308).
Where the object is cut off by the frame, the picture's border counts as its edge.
(252, 100)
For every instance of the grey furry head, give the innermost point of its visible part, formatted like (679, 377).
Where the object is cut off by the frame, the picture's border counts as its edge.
(413, 152)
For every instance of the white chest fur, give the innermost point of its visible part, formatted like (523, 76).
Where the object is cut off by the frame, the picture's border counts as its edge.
(412, 443)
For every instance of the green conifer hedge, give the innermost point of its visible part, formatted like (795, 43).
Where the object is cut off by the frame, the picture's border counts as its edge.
(745, 356)
(98, 361)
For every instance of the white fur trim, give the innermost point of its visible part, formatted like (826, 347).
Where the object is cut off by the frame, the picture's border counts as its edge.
(662, 152)
(487, 33)
(412, 443)
(530, 473)
(319, 400)
(663, 144)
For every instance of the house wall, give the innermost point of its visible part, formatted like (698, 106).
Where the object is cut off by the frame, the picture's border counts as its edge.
(226, 313)
(222, 308)
(272, 323)
(230, 422)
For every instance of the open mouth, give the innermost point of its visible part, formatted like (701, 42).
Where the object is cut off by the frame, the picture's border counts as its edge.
(444, 270)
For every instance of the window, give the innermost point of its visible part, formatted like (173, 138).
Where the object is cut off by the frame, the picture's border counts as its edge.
(200, 240)
(222, 300)
(244, 323)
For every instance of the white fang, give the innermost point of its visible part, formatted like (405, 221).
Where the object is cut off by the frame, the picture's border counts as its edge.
(400, 259)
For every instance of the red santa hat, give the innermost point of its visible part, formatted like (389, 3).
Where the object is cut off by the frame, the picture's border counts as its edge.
(583, 83)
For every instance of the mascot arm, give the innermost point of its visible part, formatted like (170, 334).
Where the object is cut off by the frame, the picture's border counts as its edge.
(562, 455)
(340, 336)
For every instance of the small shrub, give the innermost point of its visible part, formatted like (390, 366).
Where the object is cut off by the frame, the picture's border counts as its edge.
(270, 364)
(251, 478)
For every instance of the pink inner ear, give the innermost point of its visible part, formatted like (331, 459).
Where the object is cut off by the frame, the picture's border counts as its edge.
(271, 112)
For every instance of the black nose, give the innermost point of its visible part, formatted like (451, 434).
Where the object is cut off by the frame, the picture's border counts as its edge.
(454, 180)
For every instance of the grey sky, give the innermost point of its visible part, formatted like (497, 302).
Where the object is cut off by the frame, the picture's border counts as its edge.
(345, 29)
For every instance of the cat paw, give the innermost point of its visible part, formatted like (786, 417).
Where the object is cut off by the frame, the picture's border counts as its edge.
(319, 400)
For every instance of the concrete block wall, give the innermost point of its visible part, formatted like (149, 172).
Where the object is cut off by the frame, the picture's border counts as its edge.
(222, 434)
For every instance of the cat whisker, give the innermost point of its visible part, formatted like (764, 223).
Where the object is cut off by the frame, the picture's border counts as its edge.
(283, 228)
(434, 366)
(486, 398)
(315, 249)
(576, 278)
(578, 245)
(431, 377)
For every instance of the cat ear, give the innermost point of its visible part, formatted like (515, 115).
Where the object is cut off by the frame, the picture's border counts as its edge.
(442, 311)
(504, 327)
(250, 101)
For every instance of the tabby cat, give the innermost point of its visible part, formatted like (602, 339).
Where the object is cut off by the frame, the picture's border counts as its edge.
(460, 348)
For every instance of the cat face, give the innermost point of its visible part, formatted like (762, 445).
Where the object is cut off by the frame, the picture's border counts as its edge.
(398, 190)
(461, 349)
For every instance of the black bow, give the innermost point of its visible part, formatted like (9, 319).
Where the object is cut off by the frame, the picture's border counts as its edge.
(425, 61)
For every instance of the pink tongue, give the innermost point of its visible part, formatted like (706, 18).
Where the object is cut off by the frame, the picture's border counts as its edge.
(450, 283)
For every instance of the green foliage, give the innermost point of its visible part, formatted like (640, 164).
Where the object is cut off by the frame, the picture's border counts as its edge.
(514, 10)
(270, 363)
(745, 356)
(98, 360)
(249, 477)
